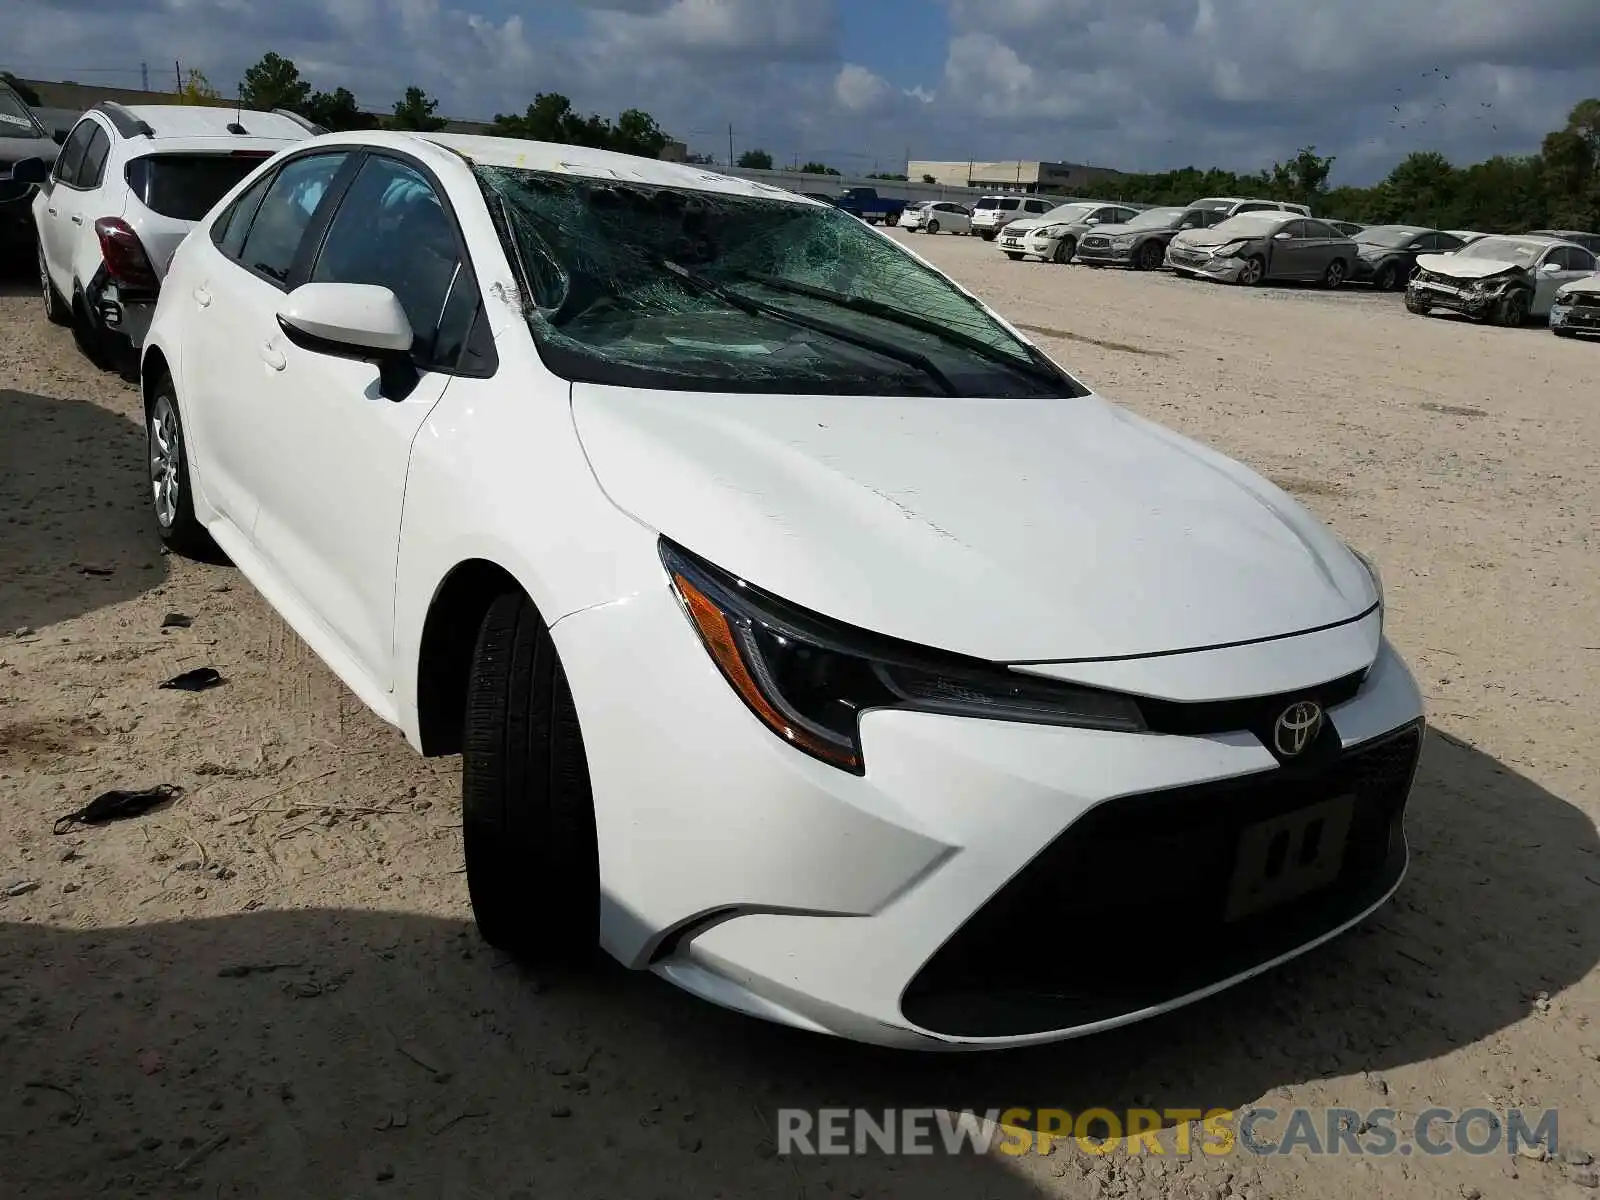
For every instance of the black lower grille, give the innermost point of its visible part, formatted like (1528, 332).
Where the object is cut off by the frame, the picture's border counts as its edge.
(1129, 907)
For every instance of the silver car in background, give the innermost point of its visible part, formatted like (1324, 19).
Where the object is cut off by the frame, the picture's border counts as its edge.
(1257, 246)
(1141, 242)
(1054, 236)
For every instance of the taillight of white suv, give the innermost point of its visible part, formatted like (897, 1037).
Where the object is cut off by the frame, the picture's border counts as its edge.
(126, 261)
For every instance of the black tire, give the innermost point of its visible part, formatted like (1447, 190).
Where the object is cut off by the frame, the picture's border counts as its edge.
(1387, 278)
(1421, 307)
(56, 309)
(1560, 332)
(1013, 255)
(1065, 249)
(987, 235)
(94, 343)
(1150, 257)
(1335, 275)
(1513, 310)
(933, 227)
(527, 817)
(167, 475)
(1256, 266)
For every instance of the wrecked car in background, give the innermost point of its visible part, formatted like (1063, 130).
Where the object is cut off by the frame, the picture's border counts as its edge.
(1257, 246)
(1503, 280)
(22, 138)
(1575, 308)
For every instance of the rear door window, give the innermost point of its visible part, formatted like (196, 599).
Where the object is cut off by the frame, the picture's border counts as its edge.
(186, 187)
(1007, 205)
(228, 230)
(286, 210)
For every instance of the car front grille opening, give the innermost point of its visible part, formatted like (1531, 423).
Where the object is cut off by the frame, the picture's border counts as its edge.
(1139, 902)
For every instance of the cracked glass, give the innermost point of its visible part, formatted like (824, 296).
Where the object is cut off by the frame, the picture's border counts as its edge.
(682, 288)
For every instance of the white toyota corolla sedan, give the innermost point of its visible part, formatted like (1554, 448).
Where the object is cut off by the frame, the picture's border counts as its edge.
(810, 638)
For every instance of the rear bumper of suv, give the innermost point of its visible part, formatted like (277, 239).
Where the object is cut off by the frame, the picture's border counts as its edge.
(119, 309)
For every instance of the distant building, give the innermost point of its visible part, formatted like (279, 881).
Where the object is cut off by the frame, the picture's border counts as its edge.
(1008, 175)
(675, 151)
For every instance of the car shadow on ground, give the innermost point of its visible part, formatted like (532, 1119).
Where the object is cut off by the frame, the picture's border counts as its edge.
(336, 1048)
(76, 532)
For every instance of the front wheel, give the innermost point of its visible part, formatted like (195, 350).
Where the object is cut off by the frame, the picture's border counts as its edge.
(933, 227)
(528, 824)
(1560, 332)
(1334, 276)
(1386, 278)
(1013, 255)
(171, 494)
(1421, 307)
(1513, 310)
(1064, 250)
(1150, 256)
(1254, 271)
(987, 235)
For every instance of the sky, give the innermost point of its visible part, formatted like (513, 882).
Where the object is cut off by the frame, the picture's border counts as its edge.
(1131, 84)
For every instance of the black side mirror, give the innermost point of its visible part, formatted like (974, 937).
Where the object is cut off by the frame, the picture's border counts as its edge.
(59, 137)
(30, 170)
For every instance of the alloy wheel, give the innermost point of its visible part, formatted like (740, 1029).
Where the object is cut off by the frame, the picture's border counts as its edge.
(165, 460)
(1252, 273)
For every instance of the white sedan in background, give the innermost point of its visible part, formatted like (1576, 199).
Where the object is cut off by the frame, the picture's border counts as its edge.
(937, 216)
(807, 634)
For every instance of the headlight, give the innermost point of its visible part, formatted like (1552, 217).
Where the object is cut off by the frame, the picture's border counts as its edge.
(1562, 299)
(1229, 250)
(1051, 231)
(1122, 241)
(809, 679)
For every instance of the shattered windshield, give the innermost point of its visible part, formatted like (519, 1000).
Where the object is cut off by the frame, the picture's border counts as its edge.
(1503, 249)
(678, 288)
(15, 119)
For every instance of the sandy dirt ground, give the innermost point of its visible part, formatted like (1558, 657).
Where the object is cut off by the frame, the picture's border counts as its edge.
(272, 987)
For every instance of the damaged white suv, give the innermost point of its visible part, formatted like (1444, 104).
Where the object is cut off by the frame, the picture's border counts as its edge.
(805, 630)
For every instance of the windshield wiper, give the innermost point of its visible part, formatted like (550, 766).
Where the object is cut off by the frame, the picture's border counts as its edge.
(1035, 365)
(745, 304)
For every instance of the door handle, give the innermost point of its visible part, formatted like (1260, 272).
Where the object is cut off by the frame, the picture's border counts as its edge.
(77, 219)
(202, 297)
(272, 356)
(51, 211)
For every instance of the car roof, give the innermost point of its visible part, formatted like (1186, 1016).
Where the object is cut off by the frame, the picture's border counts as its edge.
(580, 161)
(205, 120)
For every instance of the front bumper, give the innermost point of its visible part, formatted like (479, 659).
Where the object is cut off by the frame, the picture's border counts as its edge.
(919, 905)
(1201, 262)
(1583, 317)
(1029, 244)
(1467, 301)
(1101, 252)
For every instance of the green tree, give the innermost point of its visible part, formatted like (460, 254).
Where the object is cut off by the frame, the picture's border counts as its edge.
(337, 110)
(756, 160)
(415, 111)
(197, 89)
(636, 132)
(274, 82)
(929, 179)
(816, 168)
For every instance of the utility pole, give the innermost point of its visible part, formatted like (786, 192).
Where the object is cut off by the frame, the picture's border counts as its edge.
(730, 143)
(144, 76)
(177, 73)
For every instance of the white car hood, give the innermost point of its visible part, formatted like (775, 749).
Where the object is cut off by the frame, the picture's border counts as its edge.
(1464, 268)
(1004, 529)
(1589, 285)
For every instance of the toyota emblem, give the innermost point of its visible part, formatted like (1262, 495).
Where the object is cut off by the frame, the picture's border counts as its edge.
(1297, 727)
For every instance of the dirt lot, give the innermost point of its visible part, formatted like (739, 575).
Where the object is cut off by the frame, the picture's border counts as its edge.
(272, 987)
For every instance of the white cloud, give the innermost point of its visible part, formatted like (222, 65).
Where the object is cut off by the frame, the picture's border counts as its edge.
(857, 89)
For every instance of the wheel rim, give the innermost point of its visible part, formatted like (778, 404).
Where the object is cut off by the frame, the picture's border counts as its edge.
(1335, 273)
(1151, 255)
(933, 227)
(165, 459)
(45, 285)
(1386, 279)
(1252, 272)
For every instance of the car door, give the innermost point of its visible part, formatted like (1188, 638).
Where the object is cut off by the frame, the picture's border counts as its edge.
(1289, 255)
(339, 452)
(1321, 243)
(60, 206)
(239, 276)
(83, 205)
(1570, 263)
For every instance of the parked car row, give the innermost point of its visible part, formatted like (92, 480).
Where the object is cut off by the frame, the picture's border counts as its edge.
(1552, 274)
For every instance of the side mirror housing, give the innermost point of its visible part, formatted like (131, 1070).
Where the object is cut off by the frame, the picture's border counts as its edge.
(1550, 268)
(1283, 235)
(30, 170)
(359, 321)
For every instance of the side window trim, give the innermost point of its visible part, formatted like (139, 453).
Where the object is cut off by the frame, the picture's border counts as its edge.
(99, 139)
(305, 264)
(57, 173)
